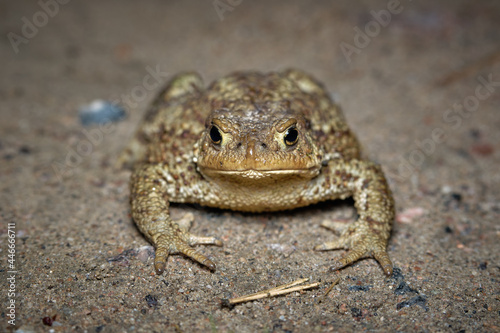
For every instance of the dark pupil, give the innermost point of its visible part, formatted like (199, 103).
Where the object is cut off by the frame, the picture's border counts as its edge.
(215, 135)
(291, 136)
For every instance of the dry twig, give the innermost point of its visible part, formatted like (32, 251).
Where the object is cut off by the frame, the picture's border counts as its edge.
(329, 289)
(280, 290)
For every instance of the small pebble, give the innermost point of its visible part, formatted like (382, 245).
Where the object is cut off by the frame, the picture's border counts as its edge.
(151, 300)
(144, 253)
(359, 288)
(483, 149)
(410, 214)
(100, 112)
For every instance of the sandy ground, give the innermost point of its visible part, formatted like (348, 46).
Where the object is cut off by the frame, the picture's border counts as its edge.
(419, 83)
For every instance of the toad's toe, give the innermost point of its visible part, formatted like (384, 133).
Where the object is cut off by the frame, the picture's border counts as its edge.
(177, 240)
(362, 242)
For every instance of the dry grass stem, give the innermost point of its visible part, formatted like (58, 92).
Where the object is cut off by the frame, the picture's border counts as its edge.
(280, 290)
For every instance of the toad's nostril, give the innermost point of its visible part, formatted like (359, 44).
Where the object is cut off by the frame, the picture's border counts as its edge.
(238, 145)
(263, 145)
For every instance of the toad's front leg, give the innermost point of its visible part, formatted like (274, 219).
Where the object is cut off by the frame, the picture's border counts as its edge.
(368, 236)
(150, 211)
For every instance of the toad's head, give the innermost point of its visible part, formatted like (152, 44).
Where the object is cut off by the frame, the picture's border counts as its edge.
(257, 129)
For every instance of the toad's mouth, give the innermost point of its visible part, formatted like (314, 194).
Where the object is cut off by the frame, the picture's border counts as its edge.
(258, 174)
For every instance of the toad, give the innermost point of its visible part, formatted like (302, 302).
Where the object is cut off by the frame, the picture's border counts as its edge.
(253, 142)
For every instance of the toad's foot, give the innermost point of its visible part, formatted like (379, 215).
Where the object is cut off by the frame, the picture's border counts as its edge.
(362, 242)
(175, 238)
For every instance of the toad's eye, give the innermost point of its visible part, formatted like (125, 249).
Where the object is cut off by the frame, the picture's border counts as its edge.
(215, 135)
(291, 136)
